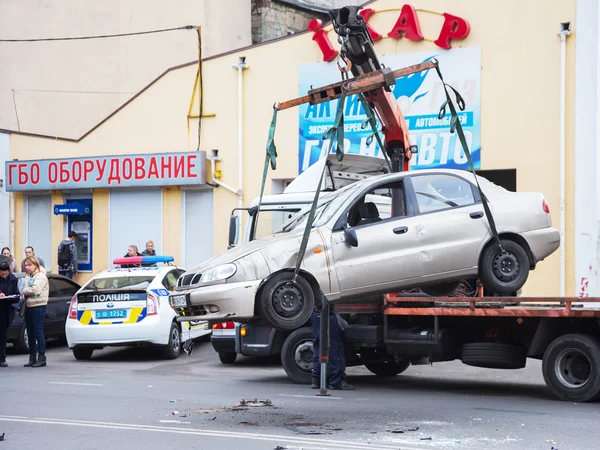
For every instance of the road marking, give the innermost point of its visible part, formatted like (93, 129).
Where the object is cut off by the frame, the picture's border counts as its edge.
(174, 421)
(309, 396)
(333, 444)
(74, 384)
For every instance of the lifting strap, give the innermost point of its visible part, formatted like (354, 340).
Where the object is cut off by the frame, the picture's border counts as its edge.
(370, 120)
(270, 157)
(336, 131)
(456, 126)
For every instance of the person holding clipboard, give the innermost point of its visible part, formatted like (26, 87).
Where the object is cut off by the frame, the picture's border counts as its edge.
(9, 295)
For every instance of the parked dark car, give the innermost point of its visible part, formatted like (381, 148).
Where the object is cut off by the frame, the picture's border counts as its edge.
(61, 290)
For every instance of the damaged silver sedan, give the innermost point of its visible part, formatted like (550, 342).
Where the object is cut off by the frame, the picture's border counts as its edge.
(382, 234)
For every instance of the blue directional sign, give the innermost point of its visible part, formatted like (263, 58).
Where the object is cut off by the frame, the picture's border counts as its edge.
(71, 209)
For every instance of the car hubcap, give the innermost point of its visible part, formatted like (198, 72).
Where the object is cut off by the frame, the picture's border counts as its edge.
(287, 299)
(26, 337)
(573, 368)
(175, 339)
(505, 266)
(303, 355)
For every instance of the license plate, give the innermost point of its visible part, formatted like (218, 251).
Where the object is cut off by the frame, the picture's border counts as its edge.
(112, 314)
(178, 300)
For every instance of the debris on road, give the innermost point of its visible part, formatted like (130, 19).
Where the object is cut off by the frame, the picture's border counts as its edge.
(2, 437)
(171, 401)
(254, 403)
(150, 386)
(550, 441)
(403, 431)
(175, 413)
(426, 439)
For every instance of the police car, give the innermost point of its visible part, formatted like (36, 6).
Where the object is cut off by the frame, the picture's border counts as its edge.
(129, 306)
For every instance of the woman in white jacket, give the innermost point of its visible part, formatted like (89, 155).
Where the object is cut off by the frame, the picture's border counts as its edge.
(36, 298)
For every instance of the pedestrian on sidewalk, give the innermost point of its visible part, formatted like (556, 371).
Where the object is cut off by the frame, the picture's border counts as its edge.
(11, 260)
(132, 250)
(30, 252)
(149, 252)
(9, 286)
(36, 299)
(67, 256)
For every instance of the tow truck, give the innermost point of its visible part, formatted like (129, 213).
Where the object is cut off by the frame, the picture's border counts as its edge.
(388, 333)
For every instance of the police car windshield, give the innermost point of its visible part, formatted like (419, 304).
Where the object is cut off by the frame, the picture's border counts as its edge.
(131, 282)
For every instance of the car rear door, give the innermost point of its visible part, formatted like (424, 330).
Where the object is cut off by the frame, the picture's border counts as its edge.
(54, 311)
(451, 222)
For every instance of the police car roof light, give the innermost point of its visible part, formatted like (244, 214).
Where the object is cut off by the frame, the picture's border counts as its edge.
(144, 260)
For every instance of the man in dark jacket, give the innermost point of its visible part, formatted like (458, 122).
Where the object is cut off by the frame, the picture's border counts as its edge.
(9, 291)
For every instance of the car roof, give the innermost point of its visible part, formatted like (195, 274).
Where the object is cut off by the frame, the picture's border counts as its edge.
(54, 276)
(134, 271)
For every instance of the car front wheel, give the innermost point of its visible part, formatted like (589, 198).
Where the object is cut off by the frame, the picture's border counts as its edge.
(284, 303)
(504, 272)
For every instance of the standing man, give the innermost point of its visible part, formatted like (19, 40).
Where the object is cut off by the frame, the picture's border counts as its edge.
(8, 286)
(67, 256)
(336, 367)
(29, 252)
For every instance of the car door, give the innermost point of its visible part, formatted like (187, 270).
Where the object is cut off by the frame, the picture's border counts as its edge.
(53, 310)
(65, 290)
(387, 255)
(451, 223)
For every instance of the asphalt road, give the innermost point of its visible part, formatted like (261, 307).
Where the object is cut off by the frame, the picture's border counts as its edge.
(131, 398)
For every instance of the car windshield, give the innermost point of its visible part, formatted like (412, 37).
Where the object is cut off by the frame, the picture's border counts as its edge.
(327, 206)
(132, 282)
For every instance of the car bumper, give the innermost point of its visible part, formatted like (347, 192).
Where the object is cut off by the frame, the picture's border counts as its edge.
(149, 331)
(542, 242)
(235, 301)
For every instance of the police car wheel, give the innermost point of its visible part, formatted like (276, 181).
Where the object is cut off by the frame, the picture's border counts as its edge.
(22, 342)
(82, 353)
(173, 348)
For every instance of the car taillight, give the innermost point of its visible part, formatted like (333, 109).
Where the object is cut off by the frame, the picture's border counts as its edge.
(545, 206)
(224, 326)
(73, 308)
(152, 307)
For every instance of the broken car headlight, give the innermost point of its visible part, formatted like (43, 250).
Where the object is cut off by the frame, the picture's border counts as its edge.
(219, 273)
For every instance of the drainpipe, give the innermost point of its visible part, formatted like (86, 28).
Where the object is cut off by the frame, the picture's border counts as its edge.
(240, 66)
(213, 162)
(565, 30)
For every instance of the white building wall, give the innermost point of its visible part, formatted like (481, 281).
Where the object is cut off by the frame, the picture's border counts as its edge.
(587, 148)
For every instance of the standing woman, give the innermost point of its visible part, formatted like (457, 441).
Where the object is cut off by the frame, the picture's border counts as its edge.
(36, 298)
(12, 263)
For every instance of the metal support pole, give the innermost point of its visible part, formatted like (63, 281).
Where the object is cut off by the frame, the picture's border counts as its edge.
(324, 344)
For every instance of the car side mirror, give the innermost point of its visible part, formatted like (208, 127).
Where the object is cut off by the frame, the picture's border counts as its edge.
(350, 234)
(234, 227)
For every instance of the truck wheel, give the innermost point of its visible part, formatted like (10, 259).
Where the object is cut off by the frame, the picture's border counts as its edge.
(494, 355)
(173, 348)
(388, 368)
(82, 353)
(227, 357)
(22, 343)
(285, 304)
(504, 272)
(297, 355)
(440, 290)
(571, 367)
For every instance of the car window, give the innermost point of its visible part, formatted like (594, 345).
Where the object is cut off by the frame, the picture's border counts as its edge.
(437, 192)
(169, 281)
(130, 282)
(65, 286)
(52, 292)
(377, 205)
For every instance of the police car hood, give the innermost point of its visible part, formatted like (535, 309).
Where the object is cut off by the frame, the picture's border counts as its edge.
(245, 249)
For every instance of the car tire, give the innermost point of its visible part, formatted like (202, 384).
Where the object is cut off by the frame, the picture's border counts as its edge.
(285, 304)
(22, 342)
(227, 357)
(571, 367)
(173, 349)
(297, 355)
(441, 290)
(504, 273)
(387, 368)
(82, 353)
(493, 355)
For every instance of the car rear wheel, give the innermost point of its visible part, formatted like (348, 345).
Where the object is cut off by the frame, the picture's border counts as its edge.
(504, 272)
(82, 353)
(285, 304)
(297, 355)
(173, 348)
(227, 357)
(22, 343)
